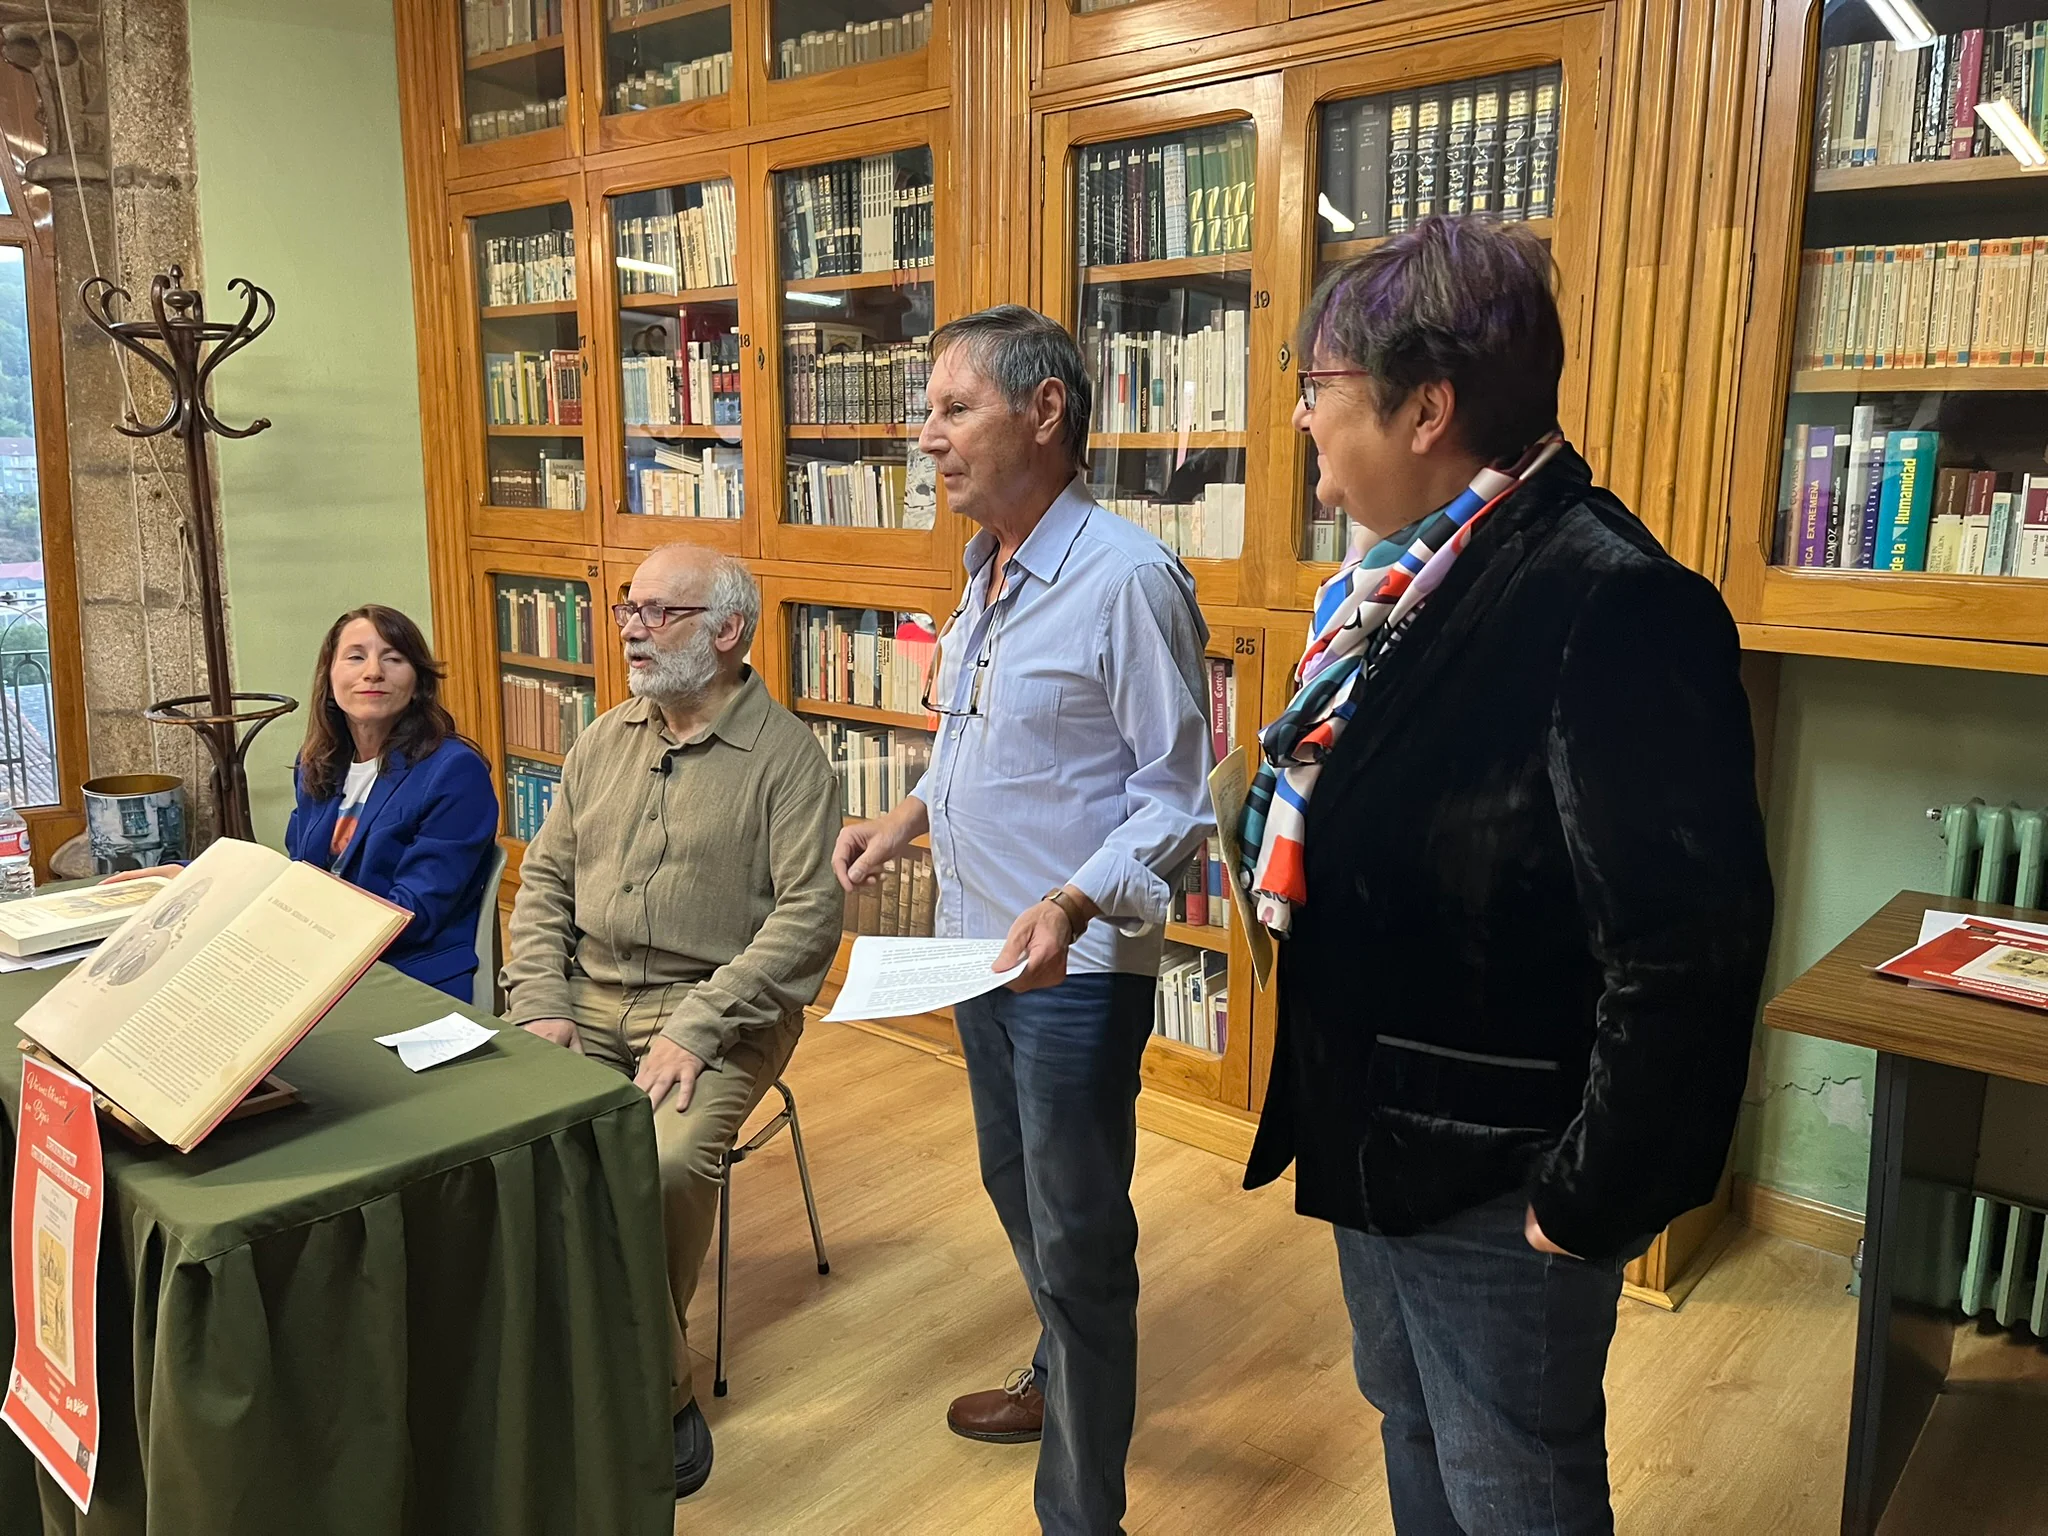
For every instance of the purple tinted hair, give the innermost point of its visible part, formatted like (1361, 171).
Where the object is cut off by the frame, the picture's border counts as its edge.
(1454, 299)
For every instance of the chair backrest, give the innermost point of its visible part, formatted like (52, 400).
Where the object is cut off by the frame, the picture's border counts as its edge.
(484, 993)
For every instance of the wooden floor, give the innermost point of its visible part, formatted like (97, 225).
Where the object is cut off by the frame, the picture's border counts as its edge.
(1730, 1416)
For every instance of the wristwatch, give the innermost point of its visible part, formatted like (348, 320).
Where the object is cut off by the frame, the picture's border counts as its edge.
(1075, 921)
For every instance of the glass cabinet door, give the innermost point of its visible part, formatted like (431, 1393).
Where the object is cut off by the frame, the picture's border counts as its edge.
(1912, 438)
(1484, 148)
(675, 279)
(530, 360)
(857, 257)
(662, 69)
(515, 78)
(815, 37)
(1163, 247)
(547, 687)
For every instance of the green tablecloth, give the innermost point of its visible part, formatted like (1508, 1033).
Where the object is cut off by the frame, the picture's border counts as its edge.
(420, 1302)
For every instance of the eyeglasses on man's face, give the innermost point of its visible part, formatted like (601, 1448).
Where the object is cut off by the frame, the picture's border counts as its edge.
(1309, 381)
(652, 615)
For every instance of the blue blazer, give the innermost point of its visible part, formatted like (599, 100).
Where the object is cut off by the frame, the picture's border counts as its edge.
(424, 842)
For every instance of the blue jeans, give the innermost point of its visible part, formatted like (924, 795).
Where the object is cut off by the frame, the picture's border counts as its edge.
(1485, 1358)
(1054, 1077)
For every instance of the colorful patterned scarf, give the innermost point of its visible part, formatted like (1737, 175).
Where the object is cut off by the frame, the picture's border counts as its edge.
(1367, 601)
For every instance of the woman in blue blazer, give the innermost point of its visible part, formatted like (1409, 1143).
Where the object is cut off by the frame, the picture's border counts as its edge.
(391, 798)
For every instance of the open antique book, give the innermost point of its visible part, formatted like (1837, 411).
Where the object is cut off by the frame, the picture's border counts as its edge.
(209, 984)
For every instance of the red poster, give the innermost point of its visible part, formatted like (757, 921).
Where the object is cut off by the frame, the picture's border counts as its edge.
(1982, 956)
(53, 1400)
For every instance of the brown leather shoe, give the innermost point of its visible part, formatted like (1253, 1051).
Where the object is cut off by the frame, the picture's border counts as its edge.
(1010, 1415)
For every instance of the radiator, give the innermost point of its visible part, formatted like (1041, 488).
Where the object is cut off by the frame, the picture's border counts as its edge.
(1995, 852)
(2005, 1277)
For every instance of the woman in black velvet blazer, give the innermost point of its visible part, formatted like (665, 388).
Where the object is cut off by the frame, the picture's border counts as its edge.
(1517, 997)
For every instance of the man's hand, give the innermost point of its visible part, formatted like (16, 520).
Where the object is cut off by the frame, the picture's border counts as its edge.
(1040, 937)
(667, 1065)
(560, 1032)
(864, 848)
(1532, 1234)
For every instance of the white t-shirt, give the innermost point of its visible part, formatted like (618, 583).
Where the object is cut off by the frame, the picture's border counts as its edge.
(355, 790)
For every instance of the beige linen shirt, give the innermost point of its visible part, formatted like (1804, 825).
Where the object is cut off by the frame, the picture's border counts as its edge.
(712, 880)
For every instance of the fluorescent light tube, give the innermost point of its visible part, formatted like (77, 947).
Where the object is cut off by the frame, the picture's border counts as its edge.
(629, 264)
(1333, 215)
(1902, 18)
(2000, 118)
(822, 300)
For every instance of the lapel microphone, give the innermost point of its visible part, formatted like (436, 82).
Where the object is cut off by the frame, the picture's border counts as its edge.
(660, 768)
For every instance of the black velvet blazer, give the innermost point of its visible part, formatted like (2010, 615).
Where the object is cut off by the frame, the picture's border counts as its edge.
(1538, 902)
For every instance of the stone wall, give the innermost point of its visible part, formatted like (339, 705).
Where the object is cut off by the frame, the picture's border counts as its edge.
(123, 187)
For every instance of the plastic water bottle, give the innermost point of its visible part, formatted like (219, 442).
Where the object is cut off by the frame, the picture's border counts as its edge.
(17, 875)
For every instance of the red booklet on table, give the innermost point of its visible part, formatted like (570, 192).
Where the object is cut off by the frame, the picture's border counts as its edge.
(1983, 957)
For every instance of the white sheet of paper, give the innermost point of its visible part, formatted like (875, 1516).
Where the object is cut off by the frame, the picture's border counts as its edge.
(43, 962)
(892, 978)
(443, 1040)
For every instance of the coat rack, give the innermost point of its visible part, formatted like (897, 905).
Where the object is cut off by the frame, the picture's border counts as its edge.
(182, 345)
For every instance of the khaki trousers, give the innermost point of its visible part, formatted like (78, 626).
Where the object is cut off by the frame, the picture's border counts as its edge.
(615, 1025)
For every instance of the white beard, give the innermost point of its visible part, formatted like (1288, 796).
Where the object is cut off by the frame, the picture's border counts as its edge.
(681, 676)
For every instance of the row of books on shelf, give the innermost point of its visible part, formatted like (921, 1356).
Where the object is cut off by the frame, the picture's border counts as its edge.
(1938, 304)
(1163, 199)
(876, 765)
(1880, 104)
(556, 483)
(869, 657)
(686, 239)
(1328, 535)
(1208, 528)
(511, 122)
(700, 388)
(674, 81)
(1479, 148)
(1871, 499)
(547, 621)
(529, 794)
(1169, 380)
(542, 714)
(896, 903)
(839, 375)
(858, 42)
(673, 481)
(1192, 1004)
(534, 389)
(1199, 899)
(870, 492)
(873, 214)
(529, 269)
(489, 25)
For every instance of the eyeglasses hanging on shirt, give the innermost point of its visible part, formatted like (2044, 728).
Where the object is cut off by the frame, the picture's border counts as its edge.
(981, 662)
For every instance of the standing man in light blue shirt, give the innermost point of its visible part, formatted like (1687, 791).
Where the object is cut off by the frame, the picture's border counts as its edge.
(1065, 789)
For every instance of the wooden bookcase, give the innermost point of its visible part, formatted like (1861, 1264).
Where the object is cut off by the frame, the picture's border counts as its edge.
(1944, 214)
(1679, 137)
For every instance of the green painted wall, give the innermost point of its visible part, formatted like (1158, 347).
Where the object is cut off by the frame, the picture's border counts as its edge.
(302, 189)
(1862, 751)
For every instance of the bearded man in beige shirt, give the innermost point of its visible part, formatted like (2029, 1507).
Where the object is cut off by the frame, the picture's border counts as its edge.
(677, 909)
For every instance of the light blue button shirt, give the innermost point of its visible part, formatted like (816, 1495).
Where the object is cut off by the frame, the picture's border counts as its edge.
(1088, 761)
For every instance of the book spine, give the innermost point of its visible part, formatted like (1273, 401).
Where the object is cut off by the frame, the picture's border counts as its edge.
(1969, 81)
(1815, 492)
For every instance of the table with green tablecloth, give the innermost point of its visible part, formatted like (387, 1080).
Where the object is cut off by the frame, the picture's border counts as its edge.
(425, 1303)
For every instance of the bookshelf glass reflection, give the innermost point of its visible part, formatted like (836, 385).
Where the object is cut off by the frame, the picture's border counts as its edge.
(547, 687)
(814, 36)
(1913, 438)
(1483, 148)
(659, 53)
(857, 305)
(679, 354)
(1163, 229)
(856, 678)
(514, 74)
(530, 346)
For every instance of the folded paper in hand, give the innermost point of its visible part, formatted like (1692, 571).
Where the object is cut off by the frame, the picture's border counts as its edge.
(893, 978)
(443, 1040)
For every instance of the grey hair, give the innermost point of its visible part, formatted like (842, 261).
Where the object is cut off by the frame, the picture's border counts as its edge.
(734, 591)
(1018, 349)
